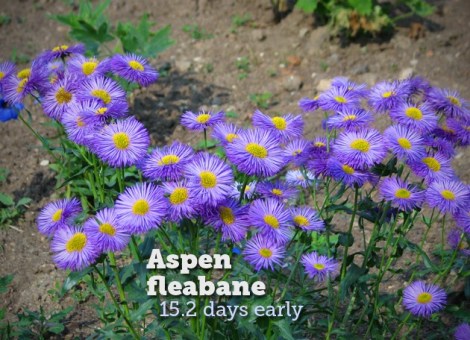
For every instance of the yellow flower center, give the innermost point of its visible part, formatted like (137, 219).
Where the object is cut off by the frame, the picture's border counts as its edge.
(424, 298)
(247, 188)
(319, 266)
(277, 192)
(168, 159)
(2, 75)
(414, 113)
(347, 169)
(135, 65)
(230, 137)
(178, 196)
(21, 85)
(63, 96)
(57, 215)
(272, 221)
(387, 94)
(121, 140)
(256, 150)
(227, 216)
(448, 129)
(101, 110)
(140, 207)
(402, 193)
(60, 48)
(266, 253)
(432, 163)
(404, 143)
(349, 118)
(361, 145)
(76, 243)
(108, 229)
(319, 144)
(203, 118)
(341, 99)
(80, 122)
(454, 101)
(448, 195)
(208, 179)
(24, 73)
(102, 94)
(89, 67)
(300, 220)
(279, 123)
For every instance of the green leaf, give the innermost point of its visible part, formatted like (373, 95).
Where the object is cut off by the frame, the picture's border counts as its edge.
(139, 314)
(307, 6)
(284, 329)
(23, 201)
(56, 328)
(73, 279)
(420, 7)
(363, 7)
(352, 276)
(4, 282)
(6, 200)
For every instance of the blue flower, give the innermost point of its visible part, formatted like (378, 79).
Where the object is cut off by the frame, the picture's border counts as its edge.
(8, 112)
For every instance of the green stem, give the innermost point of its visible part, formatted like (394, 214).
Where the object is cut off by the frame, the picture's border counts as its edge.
(400, 326)
(205, 139)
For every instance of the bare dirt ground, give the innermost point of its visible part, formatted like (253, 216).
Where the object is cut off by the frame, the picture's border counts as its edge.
(290, 59)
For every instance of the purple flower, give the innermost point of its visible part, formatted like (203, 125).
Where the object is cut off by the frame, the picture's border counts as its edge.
(420, 118)
(339, 98)
(202, 120)
(401, 194)
(307, 219)
(225, 133)
(181, 200)
(456, 242)
(360, 149)
(432, 167)
(404, 143)
(60, 98)
(350, 119)
(297, 178)
(250, 190)
(358, 89)
(284, 128)
(462, 219)
(230, 218)
(278, 190)
(105, 231)
(7, 69)
(309, 105)
(62, 51)
(84, 67)
(111, 95)
(423, 299)
(440, 146)
(79, 130)
(27, 81)
(122, 143)
(449, 102)
(57, 214)
(447, 196)
(462, 332)
(141, 208)
(320, 146)
(210, 178)
(385, 96)
(263, 253)
(319, 267)
(256, 152)
(461, 129)
(272, 219)
(345, 173)
(298, 151)
(133, 68)
(168, 162)
(73, 249)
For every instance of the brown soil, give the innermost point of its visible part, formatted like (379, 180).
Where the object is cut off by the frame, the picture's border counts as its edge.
(289, 59)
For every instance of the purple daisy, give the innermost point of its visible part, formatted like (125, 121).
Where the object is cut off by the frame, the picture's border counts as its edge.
(309, 105)
(454, 241)
(250, 190)
(298, 178)
(73, 248)
(79, 130)
(444, 131)
(404, 196)
(62, 51)
(440, 146)
(404, 143)
(230, 218)
(385, 96)
(339, 98)
(168, 162)
(133, 68)
(433, 167)
(84, 67)
(263, 253)
(181, 200)
(202, 120)
(359, 89)
(345, 173)
(210, 178)
(462, 219)
(256, 152)
(448, 196)
(462, 131)
(449, 102)
(278, 190)
(57, 214)
(421, 118)
(462, 332)
(7, 69)
(320, 146)
(272, 219)
(122, 143)
(350, 119)
(141, 207)
(423, 299)
(225, 133)
(307, 218)
(60, 98)
(319, 267)
(105, 231)
(27, 81)
(284, 128)
(111, 95)
(317, 165)
(360, 149)
(298, 151)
